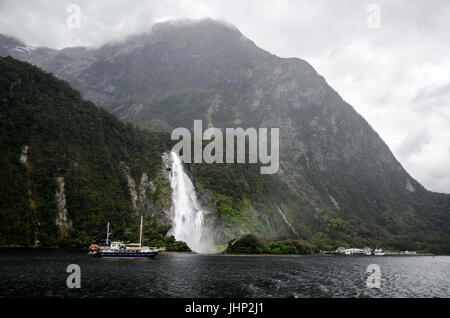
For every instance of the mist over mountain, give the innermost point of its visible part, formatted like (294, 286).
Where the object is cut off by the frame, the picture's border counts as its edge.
(338, 182)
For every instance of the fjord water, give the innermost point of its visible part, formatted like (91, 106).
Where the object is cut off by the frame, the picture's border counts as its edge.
(42, 273)
(188, 215)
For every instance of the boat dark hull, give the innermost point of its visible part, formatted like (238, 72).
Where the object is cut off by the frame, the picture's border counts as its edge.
(125, 255)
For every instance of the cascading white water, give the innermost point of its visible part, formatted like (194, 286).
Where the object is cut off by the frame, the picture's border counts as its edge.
(188, 215)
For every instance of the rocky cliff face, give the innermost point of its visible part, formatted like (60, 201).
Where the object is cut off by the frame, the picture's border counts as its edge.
(340, 181)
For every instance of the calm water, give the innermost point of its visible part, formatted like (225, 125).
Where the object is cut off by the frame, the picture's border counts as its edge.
(42, 273)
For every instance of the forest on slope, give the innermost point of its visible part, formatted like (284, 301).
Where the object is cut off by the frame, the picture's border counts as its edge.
(47, 131)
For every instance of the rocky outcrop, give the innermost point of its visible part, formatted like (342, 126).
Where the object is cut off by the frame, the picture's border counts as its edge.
(23, 159)
(150, 197)
(24, 155)
(131, 188)
(62, 218)
(409, 186)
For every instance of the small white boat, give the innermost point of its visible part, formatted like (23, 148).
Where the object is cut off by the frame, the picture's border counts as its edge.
(379, 252)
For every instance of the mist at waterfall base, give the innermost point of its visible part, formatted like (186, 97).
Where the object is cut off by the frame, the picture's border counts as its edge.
(188, 215)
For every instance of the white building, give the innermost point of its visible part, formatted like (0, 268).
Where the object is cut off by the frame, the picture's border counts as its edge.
(353, 251)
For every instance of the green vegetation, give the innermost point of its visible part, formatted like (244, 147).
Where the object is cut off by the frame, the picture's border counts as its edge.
(176, 246)
(292, 247)
(155, 235)
(71, 138)
(250, 244)
(247, 201)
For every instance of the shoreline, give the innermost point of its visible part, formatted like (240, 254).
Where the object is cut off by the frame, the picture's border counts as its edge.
(323, 255)
(12, 247)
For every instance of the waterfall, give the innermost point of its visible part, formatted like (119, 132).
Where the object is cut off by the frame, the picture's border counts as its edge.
(188, 215)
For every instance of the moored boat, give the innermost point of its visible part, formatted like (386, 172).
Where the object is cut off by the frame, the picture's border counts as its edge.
(379, 252)
(120, 250)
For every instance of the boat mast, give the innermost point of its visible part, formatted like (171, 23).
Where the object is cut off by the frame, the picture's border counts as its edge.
(140, 234)
(107, 234)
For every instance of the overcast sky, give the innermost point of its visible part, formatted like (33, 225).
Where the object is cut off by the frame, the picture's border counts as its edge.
(395, 73)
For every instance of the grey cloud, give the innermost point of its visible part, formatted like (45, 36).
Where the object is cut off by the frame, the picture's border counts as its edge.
(413, 143)
(431, 98)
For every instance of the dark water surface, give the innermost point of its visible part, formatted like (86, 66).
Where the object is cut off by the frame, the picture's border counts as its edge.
(42, 273)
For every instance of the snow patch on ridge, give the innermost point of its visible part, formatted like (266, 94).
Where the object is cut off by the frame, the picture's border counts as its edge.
(409, 186)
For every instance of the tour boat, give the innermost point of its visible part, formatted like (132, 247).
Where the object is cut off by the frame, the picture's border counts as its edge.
(121, 250)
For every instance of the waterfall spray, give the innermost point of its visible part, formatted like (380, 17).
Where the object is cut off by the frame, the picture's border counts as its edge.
(188, 215)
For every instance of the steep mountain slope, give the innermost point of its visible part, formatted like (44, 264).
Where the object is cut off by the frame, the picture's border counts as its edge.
(69, 167)
(338, 182)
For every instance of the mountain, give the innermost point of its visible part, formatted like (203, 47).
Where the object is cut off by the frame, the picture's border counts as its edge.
(69, 167)
(338, 182)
